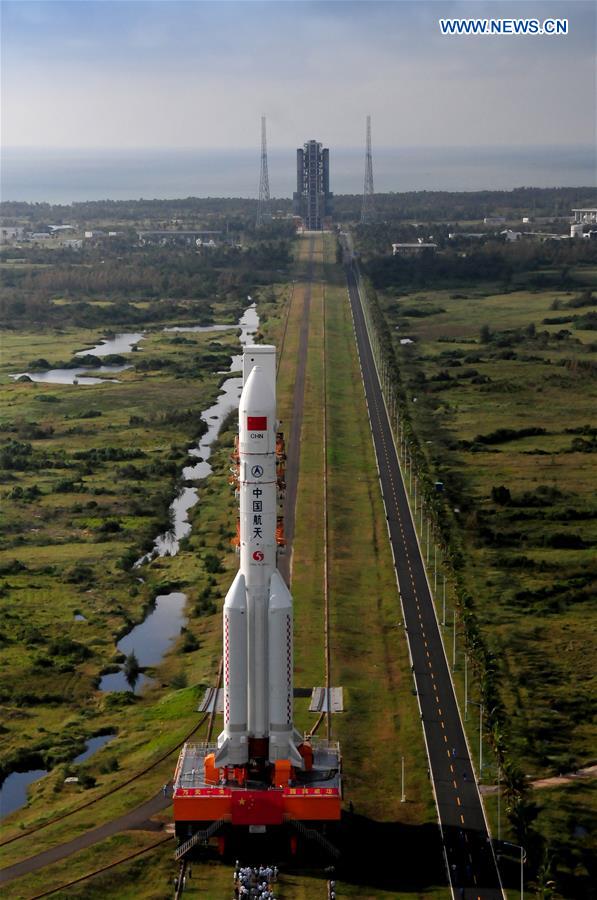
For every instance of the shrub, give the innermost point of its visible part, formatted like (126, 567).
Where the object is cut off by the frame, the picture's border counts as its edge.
(501, 495)
(213, 563)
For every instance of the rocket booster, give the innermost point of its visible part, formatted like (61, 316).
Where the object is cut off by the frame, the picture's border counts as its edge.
(257, 620)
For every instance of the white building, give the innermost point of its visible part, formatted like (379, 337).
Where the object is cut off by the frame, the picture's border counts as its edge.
(11, 233)
(411, 249)
(587, 214)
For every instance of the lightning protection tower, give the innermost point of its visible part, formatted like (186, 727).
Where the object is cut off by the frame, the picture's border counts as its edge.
(263, 210)
(367, 210)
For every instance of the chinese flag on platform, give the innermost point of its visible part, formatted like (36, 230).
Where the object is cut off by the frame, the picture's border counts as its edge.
(257, 807)
(257, 423)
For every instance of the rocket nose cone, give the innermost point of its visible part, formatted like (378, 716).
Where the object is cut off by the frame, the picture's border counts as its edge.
(257, 393)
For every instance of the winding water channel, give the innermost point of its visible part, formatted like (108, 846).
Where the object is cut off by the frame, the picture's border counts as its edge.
(151, 639)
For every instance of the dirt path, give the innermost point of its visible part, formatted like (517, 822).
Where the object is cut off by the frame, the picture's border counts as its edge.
(555, 781)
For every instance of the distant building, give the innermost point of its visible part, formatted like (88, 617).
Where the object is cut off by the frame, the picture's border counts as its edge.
(587, 214)
(11, 233)
(511, 235)
(412, 249)
(40, 236)
(312, 200)
(494, 220)
(73, 244)
(94, 234)
(169, 236)
(54, 228)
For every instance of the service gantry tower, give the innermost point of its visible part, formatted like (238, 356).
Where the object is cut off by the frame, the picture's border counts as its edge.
(312, 200)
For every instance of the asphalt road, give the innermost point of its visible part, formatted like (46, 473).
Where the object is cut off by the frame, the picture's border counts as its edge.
(469, 853)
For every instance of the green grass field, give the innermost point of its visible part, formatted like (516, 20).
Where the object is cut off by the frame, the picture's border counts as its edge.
(529, 550)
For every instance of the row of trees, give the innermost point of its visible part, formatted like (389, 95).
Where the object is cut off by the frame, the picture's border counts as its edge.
(481, 658)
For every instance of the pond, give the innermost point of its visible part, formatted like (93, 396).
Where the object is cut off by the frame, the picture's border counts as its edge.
(13, 793)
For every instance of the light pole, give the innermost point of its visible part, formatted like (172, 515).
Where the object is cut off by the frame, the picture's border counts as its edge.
(480, 741)
(428, 541)
(403, 797)
(415, 493)
(480, 705)
(434, 568)
(499, 803)
(454, 642)
(444, 604)
(523, 856)
(465, 687)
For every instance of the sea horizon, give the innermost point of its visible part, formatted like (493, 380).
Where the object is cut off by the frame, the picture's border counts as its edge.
(69, 175)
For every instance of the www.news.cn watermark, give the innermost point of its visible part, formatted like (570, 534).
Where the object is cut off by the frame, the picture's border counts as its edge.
(503, 26)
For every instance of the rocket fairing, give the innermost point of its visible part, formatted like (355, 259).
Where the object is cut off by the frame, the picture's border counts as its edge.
(257, 622)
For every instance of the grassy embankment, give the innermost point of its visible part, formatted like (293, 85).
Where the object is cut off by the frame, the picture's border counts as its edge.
(524, 508)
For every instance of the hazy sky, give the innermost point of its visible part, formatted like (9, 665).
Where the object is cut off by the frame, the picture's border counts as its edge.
(104, 73)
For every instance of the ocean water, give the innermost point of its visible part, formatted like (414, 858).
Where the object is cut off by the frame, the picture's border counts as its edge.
(64, 176)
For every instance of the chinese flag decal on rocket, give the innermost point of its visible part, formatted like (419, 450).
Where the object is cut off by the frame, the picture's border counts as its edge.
(257, 423)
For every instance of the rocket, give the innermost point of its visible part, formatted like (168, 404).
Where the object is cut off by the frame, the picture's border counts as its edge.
(257, 619)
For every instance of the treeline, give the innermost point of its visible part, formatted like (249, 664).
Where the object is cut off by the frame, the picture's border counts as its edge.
(173, 280)
(523, 260)
(240, 212)
(446, 206)
(236, 211)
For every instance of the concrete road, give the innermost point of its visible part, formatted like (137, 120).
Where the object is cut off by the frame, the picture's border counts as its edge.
(469, 853)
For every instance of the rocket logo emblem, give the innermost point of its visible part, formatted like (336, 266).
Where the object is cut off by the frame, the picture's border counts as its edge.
(257, 471)
(258, 556)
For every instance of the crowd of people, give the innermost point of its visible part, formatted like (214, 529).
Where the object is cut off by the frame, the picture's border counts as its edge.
(254, 882)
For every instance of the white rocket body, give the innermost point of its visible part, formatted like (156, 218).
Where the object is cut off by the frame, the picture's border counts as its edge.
(257, 632)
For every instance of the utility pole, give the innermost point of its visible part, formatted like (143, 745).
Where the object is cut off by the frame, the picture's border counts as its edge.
(480, 741)
(367, 211)
(263, 206)
(403, 797)
(454, 642)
